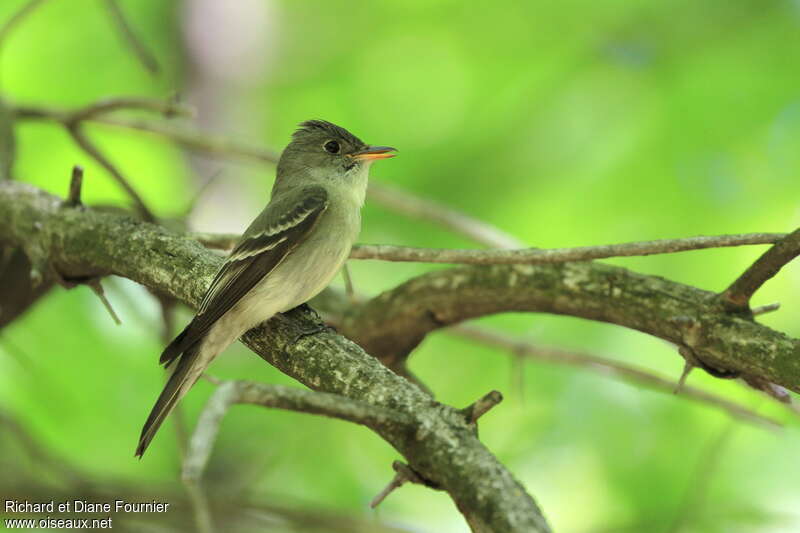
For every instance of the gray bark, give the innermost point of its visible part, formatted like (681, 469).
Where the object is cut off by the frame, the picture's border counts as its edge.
(437, 440)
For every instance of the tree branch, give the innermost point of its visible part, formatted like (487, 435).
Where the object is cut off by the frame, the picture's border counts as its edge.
(73, 122)
(392, 324)
(443, 446)
(737, 296)
(140, 51)
(230, 393)
(537, 256)
(528, 256)
(419, 208)
(17, 18)
(391, 197)
(80, 138)
(335, 305)
(610, 368)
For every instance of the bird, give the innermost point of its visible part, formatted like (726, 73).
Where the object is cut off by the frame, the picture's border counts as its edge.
(288, 254)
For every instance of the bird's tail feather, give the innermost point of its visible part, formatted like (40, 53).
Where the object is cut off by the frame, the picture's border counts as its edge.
(177, 385)
(178, 345)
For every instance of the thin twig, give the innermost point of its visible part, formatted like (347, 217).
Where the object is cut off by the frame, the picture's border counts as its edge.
(529, 256)
(200, 507)
(232, 392)
(169, 108)
(607, 367)
(194, 489)
(205, 434)
(8, 143)
(17, 17)
(41, 455)
(98, 111)
(533, 256)
(423, 209)
(391, 197)
(737, 296)
(198, 194)
(190, 139)
(145, 57)
(349, 288)
(83, 141)
(73, 121)
(707, 466)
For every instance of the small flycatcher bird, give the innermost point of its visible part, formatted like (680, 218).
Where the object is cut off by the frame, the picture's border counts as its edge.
(287, 256)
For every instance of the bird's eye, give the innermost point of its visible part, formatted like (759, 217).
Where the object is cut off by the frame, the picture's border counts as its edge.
(331, 147)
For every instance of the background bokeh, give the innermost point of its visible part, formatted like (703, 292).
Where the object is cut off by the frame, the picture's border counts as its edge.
(563, 123)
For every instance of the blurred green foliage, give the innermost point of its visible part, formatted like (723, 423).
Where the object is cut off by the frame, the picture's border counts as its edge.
(564, 123)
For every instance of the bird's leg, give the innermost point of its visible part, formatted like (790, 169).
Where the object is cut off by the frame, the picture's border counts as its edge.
(312, 323)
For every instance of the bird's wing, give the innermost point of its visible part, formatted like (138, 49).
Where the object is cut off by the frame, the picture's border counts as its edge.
(267, 242)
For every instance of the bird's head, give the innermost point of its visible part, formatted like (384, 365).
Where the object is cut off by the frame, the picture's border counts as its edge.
(321, 150)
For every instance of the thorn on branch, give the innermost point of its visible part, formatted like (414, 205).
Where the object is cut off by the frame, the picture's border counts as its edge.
(688, 366)
(403, 474)
(75, 185)
(764, 309)
(692, 333)
(97, 288)
(692, 362)
(476, 410)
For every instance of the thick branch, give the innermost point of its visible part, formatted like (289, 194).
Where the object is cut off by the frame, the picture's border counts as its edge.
(392, 324)
(334, 305)
(737, 296)
(442, 447)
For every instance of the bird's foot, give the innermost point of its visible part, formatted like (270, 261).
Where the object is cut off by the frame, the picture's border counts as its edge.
(311, 325)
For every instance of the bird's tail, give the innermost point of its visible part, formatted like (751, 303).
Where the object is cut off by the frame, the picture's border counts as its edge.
(182, 378)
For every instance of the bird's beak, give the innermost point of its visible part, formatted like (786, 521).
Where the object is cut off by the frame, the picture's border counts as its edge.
(374, 152)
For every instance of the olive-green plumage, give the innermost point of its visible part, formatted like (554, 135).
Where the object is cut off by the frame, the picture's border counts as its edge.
(289, 253)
